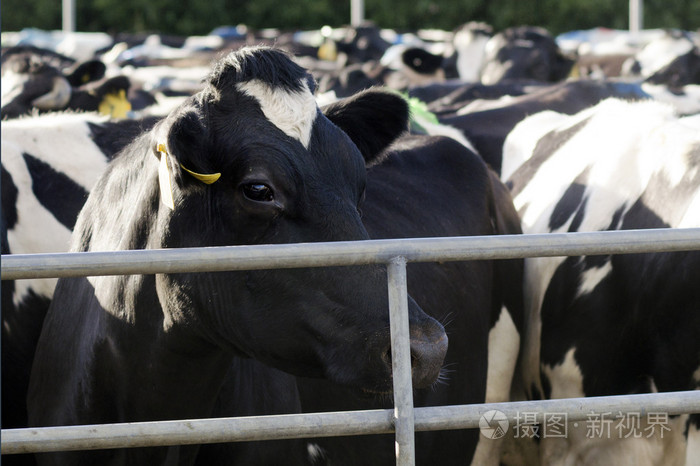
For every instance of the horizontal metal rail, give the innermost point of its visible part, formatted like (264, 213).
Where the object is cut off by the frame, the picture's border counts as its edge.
(404, 419)
(210, 259)
(143, 434)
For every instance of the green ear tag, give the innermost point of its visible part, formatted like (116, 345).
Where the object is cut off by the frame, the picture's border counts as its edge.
(166, 188)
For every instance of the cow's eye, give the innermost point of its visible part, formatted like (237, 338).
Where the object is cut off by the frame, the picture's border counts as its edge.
(258, 192)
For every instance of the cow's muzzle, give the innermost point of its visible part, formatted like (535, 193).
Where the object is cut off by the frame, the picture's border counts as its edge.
(428, 344)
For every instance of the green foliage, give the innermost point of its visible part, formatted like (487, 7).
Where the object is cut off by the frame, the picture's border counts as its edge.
(187, 17)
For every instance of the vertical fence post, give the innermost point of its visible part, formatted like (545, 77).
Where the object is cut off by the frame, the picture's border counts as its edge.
(401, 363)
(68, 11)
(636, 16)
(357, 12)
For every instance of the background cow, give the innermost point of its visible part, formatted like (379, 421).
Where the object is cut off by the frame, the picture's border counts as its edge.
(49, 164)
(36, 80)
(524, 52)
(488, 122)
(611, 324)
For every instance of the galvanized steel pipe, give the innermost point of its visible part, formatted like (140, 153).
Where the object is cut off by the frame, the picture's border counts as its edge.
(26, 266)
(187, 432)
(141, 434)
(401, 363)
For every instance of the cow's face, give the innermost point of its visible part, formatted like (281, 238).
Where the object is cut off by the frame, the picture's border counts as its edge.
(288, 174)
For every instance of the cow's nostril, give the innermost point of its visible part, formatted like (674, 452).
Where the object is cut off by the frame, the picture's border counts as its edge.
(427, 357)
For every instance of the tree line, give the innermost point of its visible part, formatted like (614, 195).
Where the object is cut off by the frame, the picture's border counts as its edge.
(194, 17)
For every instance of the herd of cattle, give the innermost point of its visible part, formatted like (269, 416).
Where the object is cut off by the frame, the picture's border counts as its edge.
(241, 137)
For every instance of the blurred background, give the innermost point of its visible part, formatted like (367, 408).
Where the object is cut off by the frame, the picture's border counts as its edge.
(194, 17)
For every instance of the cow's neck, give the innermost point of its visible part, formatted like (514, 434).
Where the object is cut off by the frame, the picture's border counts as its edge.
(169, 371)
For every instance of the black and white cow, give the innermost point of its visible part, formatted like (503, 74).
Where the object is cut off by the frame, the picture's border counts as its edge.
(39, 80)
(44, 186)
(469, 42)
(611, 324)
(672, 60)
(158, 347)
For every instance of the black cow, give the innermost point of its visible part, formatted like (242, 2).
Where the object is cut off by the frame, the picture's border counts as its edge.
(158, 347)
(433, 186)
(611, 324)
(34, 79)
(362, 43)
(479, 302)
(524, 52)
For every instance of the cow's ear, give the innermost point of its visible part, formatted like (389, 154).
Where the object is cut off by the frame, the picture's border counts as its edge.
(182, 138)
(373, 119)
(562, 67)
(86, 72)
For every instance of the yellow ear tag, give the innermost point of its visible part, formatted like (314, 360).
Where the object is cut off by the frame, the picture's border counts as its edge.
(115, 105)
(204, 178)
(166, 188)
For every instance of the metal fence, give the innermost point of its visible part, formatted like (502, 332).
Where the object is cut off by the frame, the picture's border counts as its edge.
(404, 419)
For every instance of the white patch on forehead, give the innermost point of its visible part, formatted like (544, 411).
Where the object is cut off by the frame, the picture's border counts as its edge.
(292, 112)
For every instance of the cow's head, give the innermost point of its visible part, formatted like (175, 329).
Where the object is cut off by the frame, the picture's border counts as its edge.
(673, 60)
(251, 159)
(524, 52)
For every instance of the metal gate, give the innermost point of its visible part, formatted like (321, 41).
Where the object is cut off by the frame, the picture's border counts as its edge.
(404, 419)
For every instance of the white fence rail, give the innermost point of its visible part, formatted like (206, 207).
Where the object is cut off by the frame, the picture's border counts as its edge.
(212, 259)
(238, 429)
(404, 419)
